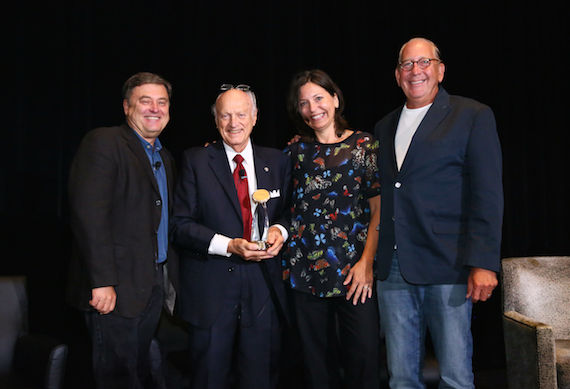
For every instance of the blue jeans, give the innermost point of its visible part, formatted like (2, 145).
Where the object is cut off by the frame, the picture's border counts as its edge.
(406, 311)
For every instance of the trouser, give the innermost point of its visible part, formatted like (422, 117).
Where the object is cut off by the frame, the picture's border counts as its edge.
(121, 357)
(243, 343)
(335, 333)
(406, 310)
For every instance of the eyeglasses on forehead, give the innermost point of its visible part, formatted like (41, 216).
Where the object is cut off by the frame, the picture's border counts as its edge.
(242, 87)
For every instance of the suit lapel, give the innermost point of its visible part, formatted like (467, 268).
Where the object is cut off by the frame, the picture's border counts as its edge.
(437, 112)
(393, 125)
(136, 147)
(262, 169)
(221, 169)
(167, 160)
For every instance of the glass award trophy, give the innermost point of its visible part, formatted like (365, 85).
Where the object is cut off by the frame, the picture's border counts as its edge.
(259, 236)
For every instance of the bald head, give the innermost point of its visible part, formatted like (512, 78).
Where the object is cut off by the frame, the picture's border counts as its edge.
(436, 52)
(235, 115)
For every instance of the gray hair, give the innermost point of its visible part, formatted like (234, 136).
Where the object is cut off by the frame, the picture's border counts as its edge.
(249, 93)
(435, 48)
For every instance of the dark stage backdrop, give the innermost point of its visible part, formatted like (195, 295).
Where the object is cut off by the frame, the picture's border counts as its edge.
(67, 61)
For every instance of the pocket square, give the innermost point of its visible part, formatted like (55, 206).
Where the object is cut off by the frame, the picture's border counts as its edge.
(274, 193)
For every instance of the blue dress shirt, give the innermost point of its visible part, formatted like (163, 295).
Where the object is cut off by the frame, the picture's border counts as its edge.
(153, 154)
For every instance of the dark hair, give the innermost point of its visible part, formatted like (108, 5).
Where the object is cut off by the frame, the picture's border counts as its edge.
(143, 78)
(323, 80)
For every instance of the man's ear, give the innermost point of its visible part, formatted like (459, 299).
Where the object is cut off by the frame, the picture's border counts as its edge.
(397, 74)
(441, 72)
(255, 117)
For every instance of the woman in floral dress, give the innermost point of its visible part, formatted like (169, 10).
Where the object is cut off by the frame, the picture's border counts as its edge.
(329, 261)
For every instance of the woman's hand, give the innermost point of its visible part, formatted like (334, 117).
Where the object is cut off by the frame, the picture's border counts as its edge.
(361, 281)
(361, 276)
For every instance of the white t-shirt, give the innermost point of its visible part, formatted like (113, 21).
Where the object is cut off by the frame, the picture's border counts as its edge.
(409, 122)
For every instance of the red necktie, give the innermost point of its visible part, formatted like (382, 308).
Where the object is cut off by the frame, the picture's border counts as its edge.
(240, 180)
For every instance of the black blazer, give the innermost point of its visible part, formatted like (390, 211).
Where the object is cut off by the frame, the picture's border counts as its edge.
(115, 209)
(206, 203)
(444, 208)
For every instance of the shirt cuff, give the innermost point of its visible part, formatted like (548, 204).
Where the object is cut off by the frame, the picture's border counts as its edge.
(219, 245)
(283, 230)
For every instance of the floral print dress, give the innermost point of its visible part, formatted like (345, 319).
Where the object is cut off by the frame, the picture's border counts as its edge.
(330, 213)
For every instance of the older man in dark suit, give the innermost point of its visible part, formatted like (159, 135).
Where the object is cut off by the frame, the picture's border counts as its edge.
(120, 190)
(231, 288)
(439, 162)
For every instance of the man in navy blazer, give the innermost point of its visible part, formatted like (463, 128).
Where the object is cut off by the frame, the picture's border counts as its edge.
(232, 292)
(440, 229)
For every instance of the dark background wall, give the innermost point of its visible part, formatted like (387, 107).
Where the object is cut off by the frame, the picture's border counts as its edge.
(67, 61)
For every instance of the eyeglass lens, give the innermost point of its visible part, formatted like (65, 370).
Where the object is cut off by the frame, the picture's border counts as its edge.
(422, 63)
(242, 87)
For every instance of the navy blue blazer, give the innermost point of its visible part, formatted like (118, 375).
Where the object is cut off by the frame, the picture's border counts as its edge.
(444, 209)
(206, 203)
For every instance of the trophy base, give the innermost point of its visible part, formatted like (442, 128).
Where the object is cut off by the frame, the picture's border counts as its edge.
(262, 245)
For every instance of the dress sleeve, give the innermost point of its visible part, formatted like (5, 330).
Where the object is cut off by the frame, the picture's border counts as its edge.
(372, 177)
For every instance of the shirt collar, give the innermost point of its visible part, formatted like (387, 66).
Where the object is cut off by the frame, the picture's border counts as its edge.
(147, 145)
(247, 153)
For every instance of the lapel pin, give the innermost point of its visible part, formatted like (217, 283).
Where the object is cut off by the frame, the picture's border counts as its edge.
(266, 169)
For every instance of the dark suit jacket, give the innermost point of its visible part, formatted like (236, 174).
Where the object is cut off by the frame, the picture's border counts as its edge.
(115, 212)
(444, 208)
(206, 203)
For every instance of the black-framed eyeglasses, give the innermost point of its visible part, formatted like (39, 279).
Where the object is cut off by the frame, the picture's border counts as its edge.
(422, 63)
(242, 87)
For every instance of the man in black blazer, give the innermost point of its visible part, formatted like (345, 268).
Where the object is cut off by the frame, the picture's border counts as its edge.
(120, 190)
(232, 292)
(440, 167)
